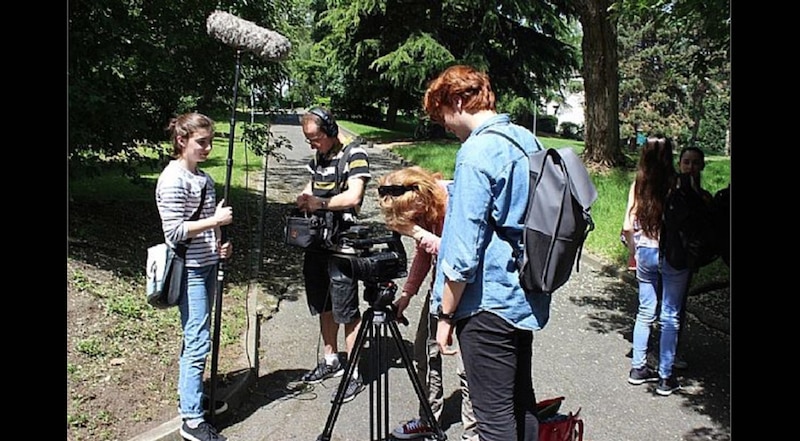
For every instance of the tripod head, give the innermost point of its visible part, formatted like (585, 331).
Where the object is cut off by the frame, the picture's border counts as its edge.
(380, 296)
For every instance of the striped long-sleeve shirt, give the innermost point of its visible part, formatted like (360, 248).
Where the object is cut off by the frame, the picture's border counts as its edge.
(177, 197)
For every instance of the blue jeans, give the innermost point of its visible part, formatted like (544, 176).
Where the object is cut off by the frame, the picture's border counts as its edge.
(195, 310)
(654, 272)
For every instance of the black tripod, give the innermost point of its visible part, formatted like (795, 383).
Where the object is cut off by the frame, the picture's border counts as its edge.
(376, 319)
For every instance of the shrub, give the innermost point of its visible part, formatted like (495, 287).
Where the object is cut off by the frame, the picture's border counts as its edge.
(571, 130)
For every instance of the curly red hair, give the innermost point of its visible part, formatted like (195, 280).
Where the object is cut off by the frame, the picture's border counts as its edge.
(424, 206)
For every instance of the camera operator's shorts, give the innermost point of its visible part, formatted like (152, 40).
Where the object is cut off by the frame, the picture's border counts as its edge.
(328, 289)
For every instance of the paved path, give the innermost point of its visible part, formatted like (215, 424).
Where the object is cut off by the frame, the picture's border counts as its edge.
(582, 354)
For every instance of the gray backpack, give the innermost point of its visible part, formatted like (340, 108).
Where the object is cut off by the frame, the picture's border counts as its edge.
(558, 218)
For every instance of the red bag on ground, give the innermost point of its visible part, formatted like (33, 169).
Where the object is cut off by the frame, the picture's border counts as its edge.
(554, 426)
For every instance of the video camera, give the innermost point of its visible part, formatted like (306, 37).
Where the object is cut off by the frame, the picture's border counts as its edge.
(377, 261)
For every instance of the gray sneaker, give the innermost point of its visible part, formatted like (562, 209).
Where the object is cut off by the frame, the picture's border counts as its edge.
(203, 432)
(642, 375)
(322, 372)
(354, 387)
(667, 385)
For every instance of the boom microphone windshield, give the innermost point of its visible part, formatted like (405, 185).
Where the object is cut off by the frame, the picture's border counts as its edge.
(246, 35)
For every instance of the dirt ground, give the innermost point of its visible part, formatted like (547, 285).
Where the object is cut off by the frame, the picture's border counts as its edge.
(122, 354)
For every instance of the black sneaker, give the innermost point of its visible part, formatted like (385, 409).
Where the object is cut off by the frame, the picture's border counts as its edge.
(667, 385)
(322, 372)
(220, 406)
(642, 375)
(354, 387)
(203, 432)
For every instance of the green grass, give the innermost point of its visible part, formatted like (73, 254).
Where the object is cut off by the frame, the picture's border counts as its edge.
(612, 188)
(111, 185)
(375, 134)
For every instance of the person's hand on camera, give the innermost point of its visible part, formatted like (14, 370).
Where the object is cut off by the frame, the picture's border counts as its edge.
(401, 304)
(223, 215)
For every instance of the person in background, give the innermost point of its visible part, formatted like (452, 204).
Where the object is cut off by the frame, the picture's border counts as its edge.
(178, 195)
(691, 161)
(331, 294)
(477, 292)
(655, 175)
(413, 202)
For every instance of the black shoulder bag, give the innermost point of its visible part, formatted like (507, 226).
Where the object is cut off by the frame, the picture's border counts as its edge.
(318, 229)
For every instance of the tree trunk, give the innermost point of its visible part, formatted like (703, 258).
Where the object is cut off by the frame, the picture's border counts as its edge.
(391, 110)
(600, 83)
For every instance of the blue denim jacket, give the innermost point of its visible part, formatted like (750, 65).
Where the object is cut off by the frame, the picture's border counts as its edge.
(490, 180)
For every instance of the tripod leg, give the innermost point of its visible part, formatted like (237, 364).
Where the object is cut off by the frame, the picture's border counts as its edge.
(381, 368)
(352, 362)
(407, 362)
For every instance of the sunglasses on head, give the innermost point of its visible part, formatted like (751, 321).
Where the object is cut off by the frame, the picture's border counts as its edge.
(395, 190)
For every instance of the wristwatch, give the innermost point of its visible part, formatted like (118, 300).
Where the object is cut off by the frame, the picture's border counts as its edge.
(442, 315)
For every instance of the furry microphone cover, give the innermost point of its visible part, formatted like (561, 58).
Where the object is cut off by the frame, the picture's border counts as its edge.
(246, 35)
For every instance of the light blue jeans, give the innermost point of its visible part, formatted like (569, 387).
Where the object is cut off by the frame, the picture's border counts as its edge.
(195, 309)
(654, 273)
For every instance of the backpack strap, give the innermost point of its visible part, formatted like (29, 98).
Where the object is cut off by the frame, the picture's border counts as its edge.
(512, 140)
(516, 249)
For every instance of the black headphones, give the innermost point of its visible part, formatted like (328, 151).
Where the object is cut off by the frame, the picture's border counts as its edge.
(329, 126)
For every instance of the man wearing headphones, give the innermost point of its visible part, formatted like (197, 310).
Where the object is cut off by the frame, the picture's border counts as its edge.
(330, 294)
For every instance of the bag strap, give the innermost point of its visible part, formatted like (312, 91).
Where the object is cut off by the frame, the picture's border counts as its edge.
(181, 247)
(516, 251)
(577, 426)
(340, 167)
(512, 140)
(196, 214)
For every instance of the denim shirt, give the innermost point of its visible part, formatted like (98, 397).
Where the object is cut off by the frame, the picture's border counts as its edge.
(490, 181)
